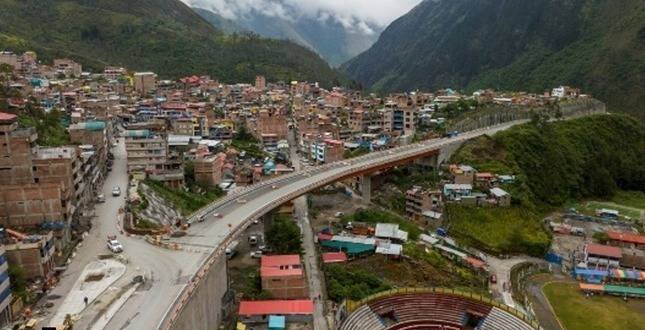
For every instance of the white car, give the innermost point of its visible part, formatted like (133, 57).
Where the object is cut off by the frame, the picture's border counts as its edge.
(116, 191)
(256, 254)
(114, 246)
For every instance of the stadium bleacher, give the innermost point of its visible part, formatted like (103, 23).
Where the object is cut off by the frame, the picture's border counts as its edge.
(431, 310)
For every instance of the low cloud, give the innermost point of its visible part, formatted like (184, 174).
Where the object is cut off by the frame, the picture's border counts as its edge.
(352, 14)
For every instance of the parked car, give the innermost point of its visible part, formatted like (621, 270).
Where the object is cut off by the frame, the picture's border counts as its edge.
(256, 254)
(114, 245)
(100, 198)
(116, 191)
(339, 214)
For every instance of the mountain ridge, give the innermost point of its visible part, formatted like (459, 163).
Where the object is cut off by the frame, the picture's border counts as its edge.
(510, 45)
(164, 36)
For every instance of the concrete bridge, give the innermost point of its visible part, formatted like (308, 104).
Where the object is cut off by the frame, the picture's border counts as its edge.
(200, 304)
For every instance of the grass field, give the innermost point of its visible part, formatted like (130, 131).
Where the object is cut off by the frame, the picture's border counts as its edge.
(576, 312)
(630, 198)
(628, 203)
(498, 230)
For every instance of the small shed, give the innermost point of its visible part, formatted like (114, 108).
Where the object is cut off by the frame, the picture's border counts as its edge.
(277, 322)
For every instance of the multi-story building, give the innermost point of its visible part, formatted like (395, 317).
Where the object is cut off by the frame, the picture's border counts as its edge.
(271, 121)
(149, 157)
(208, 170)
(31, 192)
(327, 151)
(462, 174)
(33, 253)
(419, 203)
(283, 276)
(11, 59)
(5, 290)
(96, 134)
(260, 82)
(68, 67)
(145, 82)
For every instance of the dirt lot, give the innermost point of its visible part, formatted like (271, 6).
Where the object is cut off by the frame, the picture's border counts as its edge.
(324, 206)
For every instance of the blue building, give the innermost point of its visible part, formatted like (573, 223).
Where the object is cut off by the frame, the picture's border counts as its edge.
(5, 290)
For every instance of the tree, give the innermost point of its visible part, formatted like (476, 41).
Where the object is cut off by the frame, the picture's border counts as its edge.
(284, 236)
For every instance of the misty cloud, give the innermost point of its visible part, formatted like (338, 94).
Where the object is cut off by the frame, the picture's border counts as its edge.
(358, 15)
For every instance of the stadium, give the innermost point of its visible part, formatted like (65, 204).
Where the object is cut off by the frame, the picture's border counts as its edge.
(431, 309)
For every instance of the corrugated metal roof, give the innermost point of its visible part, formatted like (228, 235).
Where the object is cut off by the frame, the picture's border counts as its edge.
(281, 307)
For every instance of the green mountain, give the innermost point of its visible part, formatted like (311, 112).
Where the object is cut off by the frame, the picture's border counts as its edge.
(598, 45)
(219, 22)
(164, 36)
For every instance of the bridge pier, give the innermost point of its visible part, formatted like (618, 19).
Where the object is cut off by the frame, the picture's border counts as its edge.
(366, 187)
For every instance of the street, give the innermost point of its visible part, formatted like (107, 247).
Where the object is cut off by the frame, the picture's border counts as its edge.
(314, 275)
(167, 271)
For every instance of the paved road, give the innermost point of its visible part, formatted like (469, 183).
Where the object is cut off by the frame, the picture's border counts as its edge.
(168, 269)
(314, 275)
(238, 209)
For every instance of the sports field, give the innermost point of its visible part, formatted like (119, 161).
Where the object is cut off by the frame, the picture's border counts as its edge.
(576, 312)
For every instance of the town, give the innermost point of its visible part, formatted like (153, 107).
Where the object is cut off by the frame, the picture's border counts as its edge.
(113, 181)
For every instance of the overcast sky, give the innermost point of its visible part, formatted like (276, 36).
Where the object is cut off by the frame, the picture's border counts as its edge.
(351, 13)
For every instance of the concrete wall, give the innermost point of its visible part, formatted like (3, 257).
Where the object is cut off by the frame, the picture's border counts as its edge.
(204, 310)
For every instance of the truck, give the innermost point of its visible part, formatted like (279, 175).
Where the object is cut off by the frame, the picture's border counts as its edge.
(231, 249)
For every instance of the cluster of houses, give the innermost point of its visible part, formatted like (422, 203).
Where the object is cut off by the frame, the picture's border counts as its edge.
(465, 186)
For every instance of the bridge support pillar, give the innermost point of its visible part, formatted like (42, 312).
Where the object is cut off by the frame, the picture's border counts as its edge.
(366, 188)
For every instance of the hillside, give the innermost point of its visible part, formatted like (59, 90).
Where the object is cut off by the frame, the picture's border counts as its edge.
(328, 37)
(563, 161)
(164, 36)
(598, 45)
(553, 163)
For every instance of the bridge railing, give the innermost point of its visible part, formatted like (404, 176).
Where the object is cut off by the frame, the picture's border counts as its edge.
(356, 165)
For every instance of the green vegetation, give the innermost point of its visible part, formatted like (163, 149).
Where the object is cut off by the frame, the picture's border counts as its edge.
(48, 125)
(405, 177)
(577, 312)
(146, 224)
(163, 36)
(360, 151)
(245, 141)
(19, 286)
(557, 162)
(375, 216)
(634, 199)
(283, 235)
(251, 284)
(553, 163)
(351, 284)
(595, 45)
(186, 201)
(499, 230)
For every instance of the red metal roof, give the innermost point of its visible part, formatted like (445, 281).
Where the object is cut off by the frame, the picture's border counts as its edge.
(325, 237)
(604, 250)
(280, 265)
(7, 117)
(280, 307)
(626, 237)
(332, 257)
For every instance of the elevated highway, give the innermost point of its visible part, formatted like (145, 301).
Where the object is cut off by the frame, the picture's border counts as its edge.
(199, 304)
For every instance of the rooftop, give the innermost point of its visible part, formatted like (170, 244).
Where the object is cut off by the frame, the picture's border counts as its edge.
(55, 153)
(7, 118)
(280, 265)
(604, 250)
(626, 237)
(279, 307)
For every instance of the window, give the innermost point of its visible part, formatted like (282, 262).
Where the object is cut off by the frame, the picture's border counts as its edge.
(36, 180)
